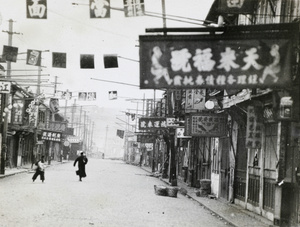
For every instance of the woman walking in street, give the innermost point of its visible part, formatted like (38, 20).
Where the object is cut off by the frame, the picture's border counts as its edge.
(82, 161)
(40, 170)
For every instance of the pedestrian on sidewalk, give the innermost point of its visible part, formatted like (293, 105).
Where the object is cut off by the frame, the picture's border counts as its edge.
(40, 170)
(82, 161)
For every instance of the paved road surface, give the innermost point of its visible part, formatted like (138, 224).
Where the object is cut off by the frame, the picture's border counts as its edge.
(113, 194)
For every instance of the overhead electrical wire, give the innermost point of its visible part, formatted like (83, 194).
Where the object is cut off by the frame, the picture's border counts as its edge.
(28, 75)
(159, 15)
(109, 81)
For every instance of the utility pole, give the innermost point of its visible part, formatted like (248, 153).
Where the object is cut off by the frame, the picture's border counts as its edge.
(164, 15)
(88, 125)
(92, 132)
(53, 119)
(66, 104)
(4, 101)
(73, 112)
(105, 144)
(84, 132)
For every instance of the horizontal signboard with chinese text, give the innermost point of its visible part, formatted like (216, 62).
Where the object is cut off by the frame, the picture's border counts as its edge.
(208, 125)
(145, 138)
(215, 61)
(52, 136)
(152, 123)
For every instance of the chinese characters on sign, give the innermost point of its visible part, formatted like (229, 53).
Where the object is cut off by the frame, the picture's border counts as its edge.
(86, 96)
(195, 62)
(187, 125)
(208, 125)
(254, 127)
(134, 8)
(37, 9)
(195, 100)
(171, 122)
(5, 87)
(148, 123)
(52, 136)
(32, 111)
(17, 111)
(99, 8)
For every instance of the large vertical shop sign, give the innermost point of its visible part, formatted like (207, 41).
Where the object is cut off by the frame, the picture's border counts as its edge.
(187, 125)
(208, 125)
(231, 61)
(254, 127)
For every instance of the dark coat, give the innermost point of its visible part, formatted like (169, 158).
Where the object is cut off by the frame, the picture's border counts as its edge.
(82, 161)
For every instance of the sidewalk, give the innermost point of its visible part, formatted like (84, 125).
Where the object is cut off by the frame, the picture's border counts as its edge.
(231, 213)
(25, 169)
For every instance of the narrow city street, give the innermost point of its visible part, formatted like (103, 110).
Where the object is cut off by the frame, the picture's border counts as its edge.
(113, 194)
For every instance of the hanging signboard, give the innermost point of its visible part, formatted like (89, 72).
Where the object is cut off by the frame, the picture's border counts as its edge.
(216, 61)
(10, 53)
(73, 139)
(171, 122)
(32, 111)
(133, 8)
(36, 9)
(242, 96)
(52, 136)
(187, 125)
(180, 133)
(5, 87)
(34, 57)
(269, 114)
(145, 138)
(151, 123)
(100, 9)
(208, 125)
(195, 100)
(254, 127)
(237, 7)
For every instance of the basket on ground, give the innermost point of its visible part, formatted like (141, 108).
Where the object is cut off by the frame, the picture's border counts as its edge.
(172, 191)
(160, 190)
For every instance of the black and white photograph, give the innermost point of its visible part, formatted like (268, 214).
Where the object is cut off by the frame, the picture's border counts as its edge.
(150, 113)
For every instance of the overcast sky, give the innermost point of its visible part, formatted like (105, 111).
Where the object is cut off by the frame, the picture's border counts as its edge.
(69, 29)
